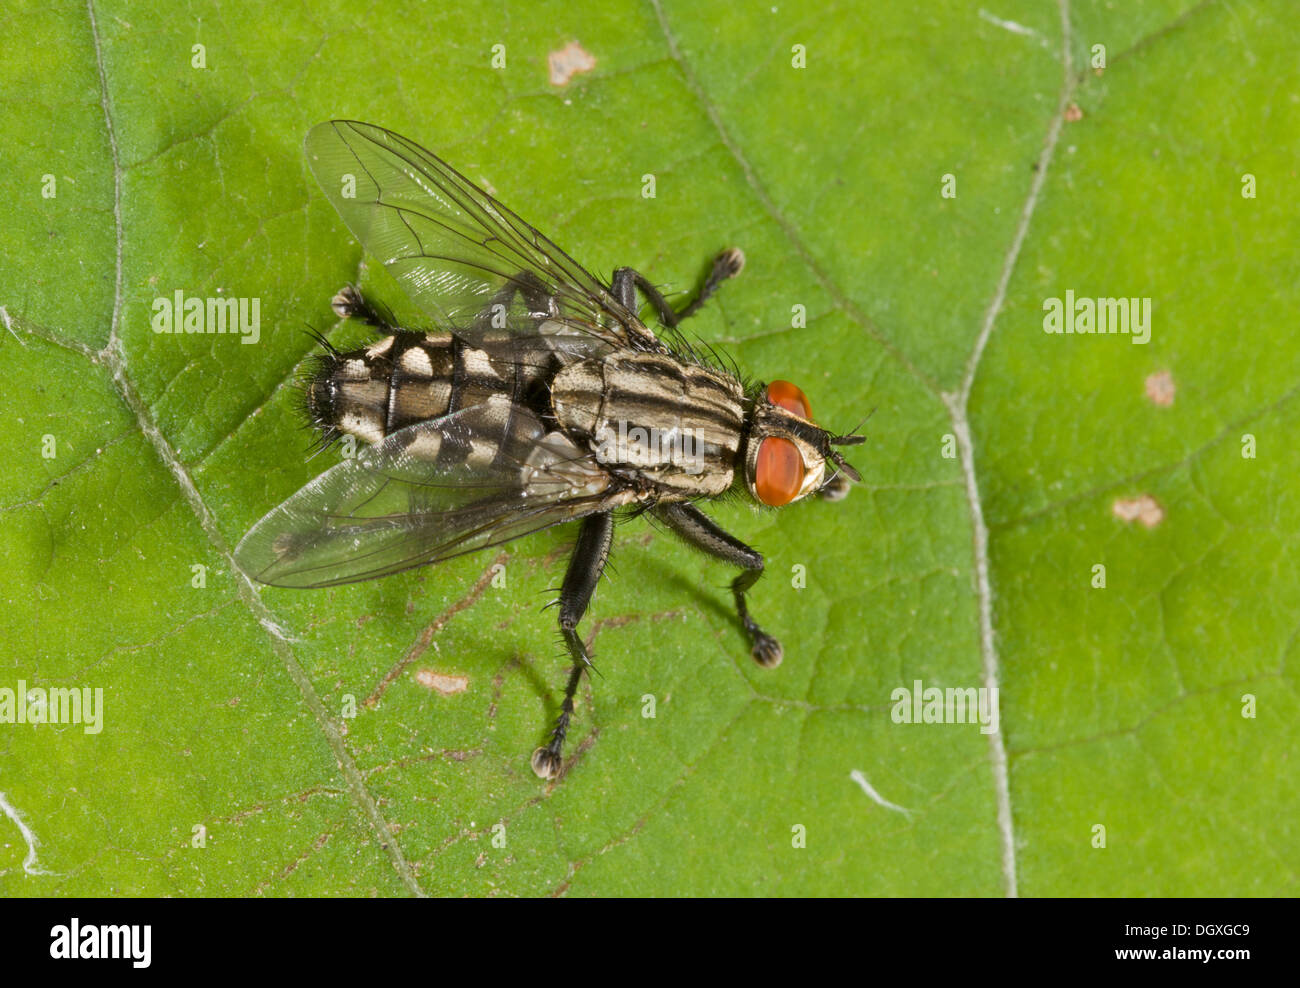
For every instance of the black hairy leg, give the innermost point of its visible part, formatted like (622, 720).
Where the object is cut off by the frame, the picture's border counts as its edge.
(627, 281)
(539, 301)
(585, 566)
(697, 529)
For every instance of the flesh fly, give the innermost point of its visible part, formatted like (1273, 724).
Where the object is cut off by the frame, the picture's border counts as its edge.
(535, 396)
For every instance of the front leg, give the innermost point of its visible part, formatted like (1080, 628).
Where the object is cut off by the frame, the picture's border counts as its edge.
(585, 566)
(700, 531)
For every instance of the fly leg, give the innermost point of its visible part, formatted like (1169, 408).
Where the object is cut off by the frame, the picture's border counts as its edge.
(585, 567)
(836, 490)
(349, 303)
(697, 529)
(627, 281)
(726, 265)
(536, 296)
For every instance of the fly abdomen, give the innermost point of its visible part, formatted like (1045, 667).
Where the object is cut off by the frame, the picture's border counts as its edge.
(373, 391)
(406, 378)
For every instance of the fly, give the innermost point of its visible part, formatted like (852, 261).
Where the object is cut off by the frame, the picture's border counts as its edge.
(538, 398)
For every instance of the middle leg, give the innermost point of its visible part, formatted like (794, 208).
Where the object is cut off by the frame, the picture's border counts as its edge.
(496, 313)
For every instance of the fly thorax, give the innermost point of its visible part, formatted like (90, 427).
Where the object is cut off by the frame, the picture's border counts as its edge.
(677, 425)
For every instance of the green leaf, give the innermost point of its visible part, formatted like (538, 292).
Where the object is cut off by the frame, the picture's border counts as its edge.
(1161, 707)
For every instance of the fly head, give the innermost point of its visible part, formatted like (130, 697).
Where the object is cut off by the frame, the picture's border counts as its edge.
(787, 455)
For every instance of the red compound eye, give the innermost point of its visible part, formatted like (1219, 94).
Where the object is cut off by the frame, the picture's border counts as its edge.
(786, 395)
(778, 472)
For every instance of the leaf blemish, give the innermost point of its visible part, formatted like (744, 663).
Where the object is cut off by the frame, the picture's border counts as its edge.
(31, 866)
(857, 776)
(569, 61)
(441, 682)
(1143, 508)
(1160, 388)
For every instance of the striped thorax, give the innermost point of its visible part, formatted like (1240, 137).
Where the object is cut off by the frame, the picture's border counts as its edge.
(677, 426)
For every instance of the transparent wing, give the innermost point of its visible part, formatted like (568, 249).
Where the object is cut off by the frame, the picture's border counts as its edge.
(455, 249)
(440, 488)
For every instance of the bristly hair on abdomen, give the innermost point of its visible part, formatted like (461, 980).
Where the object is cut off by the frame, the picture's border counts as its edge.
(316, 368)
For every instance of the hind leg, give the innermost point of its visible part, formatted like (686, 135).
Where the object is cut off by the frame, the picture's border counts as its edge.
(349, 303)
(585, 567)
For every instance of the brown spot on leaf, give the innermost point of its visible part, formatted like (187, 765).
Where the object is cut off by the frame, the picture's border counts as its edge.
(426, 636)
(569, 61)
(620, 620)
(1160, 388)
(456, 755)
(1073, 113)
(1143, 508)
(441, 682)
